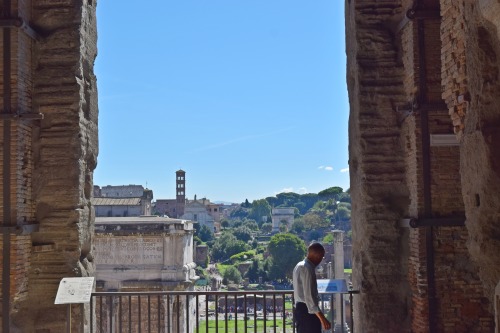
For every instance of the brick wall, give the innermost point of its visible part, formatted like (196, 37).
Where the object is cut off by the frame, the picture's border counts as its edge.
(471, 88)
(20, 250)
(20, 159)
(52, 159)
(453, 69)
(455, 275)
(433, 81)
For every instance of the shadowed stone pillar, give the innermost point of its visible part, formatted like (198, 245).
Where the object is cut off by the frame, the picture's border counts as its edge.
(377, 170)
(52, 159)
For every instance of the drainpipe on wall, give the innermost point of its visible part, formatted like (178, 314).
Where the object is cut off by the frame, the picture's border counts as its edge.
(426, 169)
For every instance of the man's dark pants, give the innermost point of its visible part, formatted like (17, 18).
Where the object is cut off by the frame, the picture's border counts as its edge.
(305, 321)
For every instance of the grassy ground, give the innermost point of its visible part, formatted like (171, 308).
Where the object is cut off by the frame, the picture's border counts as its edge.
(239, 326)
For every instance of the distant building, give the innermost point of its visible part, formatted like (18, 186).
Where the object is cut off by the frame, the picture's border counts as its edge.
(228, 209)
(215, 210)
(196, 211)
(282, 214)
(173, 207)
(122, 200)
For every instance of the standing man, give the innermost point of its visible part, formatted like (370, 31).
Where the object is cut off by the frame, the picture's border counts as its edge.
(308, 316)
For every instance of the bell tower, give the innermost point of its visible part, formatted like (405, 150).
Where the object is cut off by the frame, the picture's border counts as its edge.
(180, 190)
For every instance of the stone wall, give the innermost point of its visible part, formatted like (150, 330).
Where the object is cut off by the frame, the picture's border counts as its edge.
(375, 79)
(429, 73)
(52, 159)
(474, 95)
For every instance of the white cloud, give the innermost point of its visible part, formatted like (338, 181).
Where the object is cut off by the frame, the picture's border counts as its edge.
(328, 168)
(302, 190)
(344, 170)
(285, 190)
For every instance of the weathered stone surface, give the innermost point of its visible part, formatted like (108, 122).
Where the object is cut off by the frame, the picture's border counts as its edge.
(375, 81)
(399, 70)
(147, 253)
(53, 158)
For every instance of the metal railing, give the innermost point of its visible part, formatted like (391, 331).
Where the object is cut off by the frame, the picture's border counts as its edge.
(204, 311)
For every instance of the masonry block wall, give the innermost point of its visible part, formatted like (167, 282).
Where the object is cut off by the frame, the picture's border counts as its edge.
(471, 89)
(445, 67)
(49, 181)
(377, 169)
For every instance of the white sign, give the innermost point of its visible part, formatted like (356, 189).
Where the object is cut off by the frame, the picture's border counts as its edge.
(332, 286)
(74, 290)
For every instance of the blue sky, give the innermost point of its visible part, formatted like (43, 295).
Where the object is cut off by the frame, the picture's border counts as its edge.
(247, 96)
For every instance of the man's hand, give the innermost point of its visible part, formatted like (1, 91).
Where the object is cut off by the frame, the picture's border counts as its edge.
(324, 322)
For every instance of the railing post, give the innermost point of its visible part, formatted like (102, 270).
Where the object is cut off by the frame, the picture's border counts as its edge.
(110, 315)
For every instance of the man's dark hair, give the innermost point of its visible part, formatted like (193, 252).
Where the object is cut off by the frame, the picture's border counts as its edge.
(316, 248)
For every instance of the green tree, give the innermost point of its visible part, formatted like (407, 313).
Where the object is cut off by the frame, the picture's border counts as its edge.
(314, 235)
(286, 250)
(245, 204)
(309, 199)
(255, 243)
(273, 201)
(344, 197)
(287, 199)
(239, 213)
(237, 223)
(266, 227)
(328, 239)
(344, 204)
(243, 233)
(206, 234)
(251, 224)
(343, 213)
(196, 227)
(227, 245)
(331, 192)
(301, 207)
(260, 209)
(298, 226)
(314, 221)
(197, 239)
(266, 267)
(224, 223)
(232, 274)
(253, 272)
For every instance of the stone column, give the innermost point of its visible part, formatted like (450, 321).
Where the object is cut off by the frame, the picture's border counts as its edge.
(338, 252)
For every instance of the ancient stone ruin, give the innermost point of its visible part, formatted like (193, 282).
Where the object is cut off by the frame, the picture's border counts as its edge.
(424, 126)
(146, 253)
(48, 153)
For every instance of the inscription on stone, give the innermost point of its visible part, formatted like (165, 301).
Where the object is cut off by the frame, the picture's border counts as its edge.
(129, 251)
